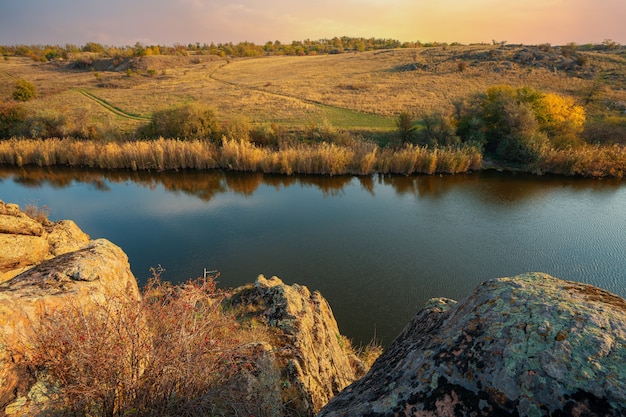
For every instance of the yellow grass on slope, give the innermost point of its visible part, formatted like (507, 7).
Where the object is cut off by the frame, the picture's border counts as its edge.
(284, 89)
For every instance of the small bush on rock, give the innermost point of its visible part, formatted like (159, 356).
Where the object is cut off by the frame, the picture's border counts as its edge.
(176, 352)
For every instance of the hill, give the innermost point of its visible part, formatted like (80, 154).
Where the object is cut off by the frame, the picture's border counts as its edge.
(359, 90)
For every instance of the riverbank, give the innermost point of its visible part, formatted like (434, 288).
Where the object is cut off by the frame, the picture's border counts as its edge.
(319, 158)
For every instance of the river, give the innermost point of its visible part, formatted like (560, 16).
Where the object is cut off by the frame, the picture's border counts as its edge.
(376, 247)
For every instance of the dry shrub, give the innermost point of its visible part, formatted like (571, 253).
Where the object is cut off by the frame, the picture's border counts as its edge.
(586, 161)
(36, 212)
(176, 352)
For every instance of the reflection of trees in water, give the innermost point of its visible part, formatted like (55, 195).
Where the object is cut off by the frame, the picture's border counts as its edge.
(493, 187)
(201, 184)
(489, 187)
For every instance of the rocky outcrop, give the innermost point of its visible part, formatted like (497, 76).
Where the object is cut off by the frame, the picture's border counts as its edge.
(69, 270)
(49, 266)
(25, 242)
(313, 357)
(531, 345)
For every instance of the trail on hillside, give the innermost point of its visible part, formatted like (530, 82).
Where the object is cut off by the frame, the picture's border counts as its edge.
(321, 105)
(13, 77)
(115, 110)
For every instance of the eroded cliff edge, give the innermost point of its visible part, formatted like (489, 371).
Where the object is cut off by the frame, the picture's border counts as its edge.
(530, 345)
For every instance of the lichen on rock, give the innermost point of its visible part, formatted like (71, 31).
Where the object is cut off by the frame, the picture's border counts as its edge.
(529, 345)
(308, 348)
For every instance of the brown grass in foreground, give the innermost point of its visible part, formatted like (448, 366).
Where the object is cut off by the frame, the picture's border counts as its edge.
(176, 352)
(168, 154)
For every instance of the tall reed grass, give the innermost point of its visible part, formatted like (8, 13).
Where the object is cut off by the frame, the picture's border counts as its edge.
(586, 161)
(361, 158)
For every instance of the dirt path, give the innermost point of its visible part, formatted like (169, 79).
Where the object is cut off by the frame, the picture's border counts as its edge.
(117, 111)
(8, 75)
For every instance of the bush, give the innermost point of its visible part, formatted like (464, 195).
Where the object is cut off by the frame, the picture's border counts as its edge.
(237, 128)
(24, 90)
(189, 121)
(437, 130)
(175, 352)
(12, 117)
(518, 124)
(405, 122)
(45, 123)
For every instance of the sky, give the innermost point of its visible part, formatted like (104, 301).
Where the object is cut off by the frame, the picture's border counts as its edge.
(168, 22)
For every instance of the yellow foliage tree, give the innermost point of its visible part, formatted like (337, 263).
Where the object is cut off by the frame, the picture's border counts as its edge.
(560, 116)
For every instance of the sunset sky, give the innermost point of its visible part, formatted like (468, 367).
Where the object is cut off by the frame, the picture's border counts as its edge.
(166, 22)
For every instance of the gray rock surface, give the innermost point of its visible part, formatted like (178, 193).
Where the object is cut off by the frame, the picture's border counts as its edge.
(530, 345)
(314, 360)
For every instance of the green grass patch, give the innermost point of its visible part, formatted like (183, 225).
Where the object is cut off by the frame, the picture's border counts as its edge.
(350, 119)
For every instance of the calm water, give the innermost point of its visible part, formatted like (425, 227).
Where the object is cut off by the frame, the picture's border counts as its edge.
(377, 248)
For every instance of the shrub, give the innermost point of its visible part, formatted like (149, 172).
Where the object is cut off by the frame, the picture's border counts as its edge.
(405, 122)
(175, 352)
(45, 123)
(518, 124)
(237, 128)
(12, 117)
(24, 90)
(437, 130)
(189, 121)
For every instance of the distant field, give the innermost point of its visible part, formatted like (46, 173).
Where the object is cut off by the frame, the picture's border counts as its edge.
(352, 91)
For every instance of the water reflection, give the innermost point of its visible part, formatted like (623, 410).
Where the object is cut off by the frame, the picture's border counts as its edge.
(205, 185)
(377, 247)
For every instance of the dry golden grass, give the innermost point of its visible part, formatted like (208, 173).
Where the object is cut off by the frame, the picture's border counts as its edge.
(291, 90)
(352, 91)
(168, 154)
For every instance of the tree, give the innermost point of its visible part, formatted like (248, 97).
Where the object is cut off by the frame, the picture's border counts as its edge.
(405, 123)
(24, 90)
(518, 124)
(93, 47)
(438, 129)
(559, 116)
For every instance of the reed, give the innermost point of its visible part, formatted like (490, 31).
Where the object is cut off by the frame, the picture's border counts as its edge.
(586, 161)
(361, 158)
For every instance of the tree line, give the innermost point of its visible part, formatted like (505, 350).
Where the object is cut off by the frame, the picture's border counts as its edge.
(333, 45)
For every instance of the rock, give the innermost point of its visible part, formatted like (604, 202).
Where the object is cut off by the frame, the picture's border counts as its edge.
(72, 271)
(531, 345)
(25, 242)
(65, 237)
(313, 357)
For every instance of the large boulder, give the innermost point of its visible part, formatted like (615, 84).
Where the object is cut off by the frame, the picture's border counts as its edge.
(316, 362)
(69, 270)
(25, 241)
(531, 345)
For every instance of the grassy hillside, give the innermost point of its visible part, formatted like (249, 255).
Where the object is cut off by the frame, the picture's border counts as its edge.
(364, 90)
(326, 113)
